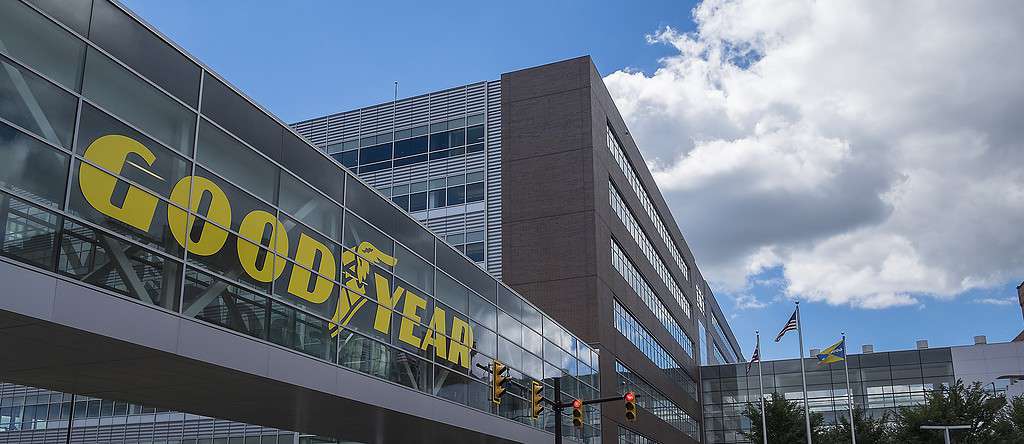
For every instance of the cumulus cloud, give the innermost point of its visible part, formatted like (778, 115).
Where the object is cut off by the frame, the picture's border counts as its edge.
(871, 151)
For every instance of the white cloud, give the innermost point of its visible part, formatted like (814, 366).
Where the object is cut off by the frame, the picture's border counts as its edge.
(996, 301)
(873, 151)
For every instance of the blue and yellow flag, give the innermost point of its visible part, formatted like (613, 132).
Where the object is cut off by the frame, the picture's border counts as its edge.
(835, 353)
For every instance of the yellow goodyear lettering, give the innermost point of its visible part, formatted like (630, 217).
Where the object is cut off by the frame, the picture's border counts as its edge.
(411, 310)
(255, 260)
(192, 192)
(436, 334)
(211, 237)
(305, 255)
(111, 152)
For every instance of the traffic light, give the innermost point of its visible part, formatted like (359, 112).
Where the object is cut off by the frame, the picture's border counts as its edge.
(499, 379)
(577, 413)
(536, 399)
(630, 399)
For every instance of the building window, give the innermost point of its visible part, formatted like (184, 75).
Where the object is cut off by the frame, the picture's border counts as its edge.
(620, 209)
(655, 403)
(634, 181)
(626, 324)
(629, 272)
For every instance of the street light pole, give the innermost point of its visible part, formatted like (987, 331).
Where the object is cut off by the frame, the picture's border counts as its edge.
(945, 429)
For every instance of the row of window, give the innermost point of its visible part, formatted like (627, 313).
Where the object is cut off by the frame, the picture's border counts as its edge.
(260, 308)
(626, 216)
(421, 130)
(656, 403)
(634, 181)
(629, 327)
(415, 150)
(733, 356)
(471, 244)
(418, 197)
(629, 272)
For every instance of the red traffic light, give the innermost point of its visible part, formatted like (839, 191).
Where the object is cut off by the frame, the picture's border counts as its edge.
(630, 397)
(576, 403)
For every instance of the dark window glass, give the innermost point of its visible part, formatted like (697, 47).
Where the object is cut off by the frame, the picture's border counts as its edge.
(31, 168)
(107, 262)
(36, 105)
(130, 98)
(402, 201)
(235, 161)
(438, 198)
(457, 137)
(146, 53)
(410, 160)
(391, 220)
(414, 270)
(475, 192)
(376, 153)
(73, 14)
(374, 167)
(160, 176)
(241, 118)
(418, 201)
(456, 152)
(310, 207)
(475, 148)
(306, 162)
(456, 195)
(474, 134)
(438, 155)
(439, 141)
(347, 158)
(475, 251)
(29, 232)
(301, 331)
(31, 38)
(409, 147)
(469, 274)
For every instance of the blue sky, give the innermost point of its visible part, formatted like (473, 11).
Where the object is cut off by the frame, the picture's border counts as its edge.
(306, 59)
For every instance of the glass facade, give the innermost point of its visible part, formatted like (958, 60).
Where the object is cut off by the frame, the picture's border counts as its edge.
(656, 403)
(437, 156)
(627, 436)
(634, 182)
(134, 170)
(620, 209)
(880, 382)
(629, 327)
(622, 264)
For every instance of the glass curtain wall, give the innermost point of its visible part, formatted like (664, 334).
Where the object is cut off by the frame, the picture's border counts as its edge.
(881, 382)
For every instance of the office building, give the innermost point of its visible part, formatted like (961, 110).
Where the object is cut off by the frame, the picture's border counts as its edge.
(881, 382)
(536, 177)
(168, 245)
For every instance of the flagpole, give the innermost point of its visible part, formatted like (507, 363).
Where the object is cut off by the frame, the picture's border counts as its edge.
(849, 393)
(760, 386)
(803, 373)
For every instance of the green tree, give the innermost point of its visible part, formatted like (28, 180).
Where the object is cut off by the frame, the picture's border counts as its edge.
(869, 430)
(1010, 425)
(954, 405)
(785, 421)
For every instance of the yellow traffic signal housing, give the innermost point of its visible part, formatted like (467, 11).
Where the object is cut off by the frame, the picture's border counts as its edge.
(630, 399)
(536, 399)
(499, 379)
(577, 413)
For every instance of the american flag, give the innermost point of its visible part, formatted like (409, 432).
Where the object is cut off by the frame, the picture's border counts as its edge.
(755, 358)
(790, 326)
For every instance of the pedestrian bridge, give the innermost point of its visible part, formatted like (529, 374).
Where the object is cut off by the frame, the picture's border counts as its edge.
(59, 334)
